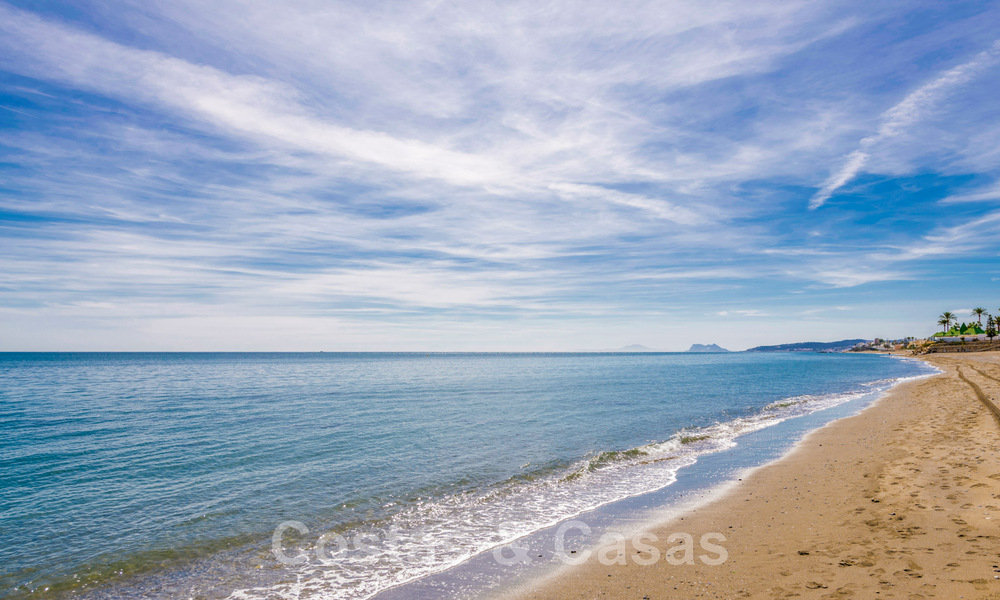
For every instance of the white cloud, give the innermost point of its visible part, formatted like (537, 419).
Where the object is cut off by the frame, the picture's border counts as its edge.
(845, 277)
(908, 111)
(552, 130)
(826, 309)
(442, 165)
(990, 193)
(656, 207)
(970, 236)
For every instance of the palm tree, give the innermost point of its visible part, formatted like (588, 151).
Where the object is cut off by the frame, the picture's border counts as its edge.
(943, 322)
(947, 317)
(979, 312)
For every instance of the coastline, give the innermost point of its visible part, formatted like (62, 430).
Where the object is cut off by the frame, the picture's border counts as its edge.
(494, 573)
(900, 500)
(762, 405)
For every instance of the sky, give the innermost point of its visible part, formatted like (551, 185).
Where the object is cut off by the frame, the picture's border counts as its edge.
(500, 176)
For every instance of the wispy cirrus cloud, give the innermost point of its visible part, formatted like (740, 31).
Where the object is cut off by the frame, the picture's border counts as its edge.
(895, 120)
(990, 193)
(374, 170)
(742, 313)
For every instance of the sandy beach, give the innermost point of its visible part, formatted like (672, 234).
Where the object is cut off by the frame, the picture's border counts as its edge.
(900, 501)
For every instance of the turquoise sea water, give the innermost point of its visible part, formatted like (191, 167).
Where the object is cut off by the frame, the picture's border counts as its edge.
(165, 475)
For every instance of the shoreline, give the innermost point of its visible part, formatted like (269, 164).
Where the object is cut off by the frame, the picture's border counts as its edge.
(898, 501)
(775, 413)
(697, 484)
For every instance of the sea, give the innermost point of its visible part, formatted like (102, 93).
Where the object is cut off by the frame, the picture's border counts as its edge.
(367, 475)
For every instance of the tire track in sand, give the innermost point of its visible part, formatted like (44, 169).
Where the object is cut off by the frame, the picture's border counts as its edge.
(979, 391)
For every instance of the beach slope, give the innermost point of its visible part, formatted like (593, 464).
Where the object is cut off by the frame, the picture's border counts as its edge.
(900, 501)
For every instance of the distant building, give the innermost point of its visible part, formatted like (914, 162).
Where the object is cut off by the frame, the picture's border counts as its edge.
(960, 333)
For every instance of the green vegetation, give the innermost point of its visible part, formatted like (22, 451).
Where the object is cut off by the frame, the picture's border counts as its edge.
(690, 439)
(613, 456)
(962, 332)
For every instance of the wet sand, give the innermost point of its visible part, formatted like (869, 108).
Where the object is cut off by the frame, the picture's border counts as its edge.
(900, 501)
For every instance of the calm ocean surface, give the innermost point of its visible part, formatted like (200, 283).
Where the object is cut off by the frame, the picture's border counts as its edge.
(165, 475)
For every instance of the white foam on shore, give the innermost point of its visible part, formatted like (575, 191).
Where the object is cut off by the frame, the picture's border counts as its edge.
(431, 536)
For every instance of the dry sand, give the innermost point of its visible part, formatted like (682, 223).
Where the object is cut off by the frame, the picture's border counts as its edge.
(900, 501)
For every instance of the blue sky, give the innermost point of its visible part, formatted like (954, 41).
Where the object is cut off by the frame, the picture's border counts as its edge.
(326, 175)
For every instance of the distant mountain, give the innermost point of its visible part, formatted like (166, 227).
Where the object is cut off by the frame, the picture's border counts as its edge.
(809, 347)
(635, 348)
(629, 348)
(706, 348)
